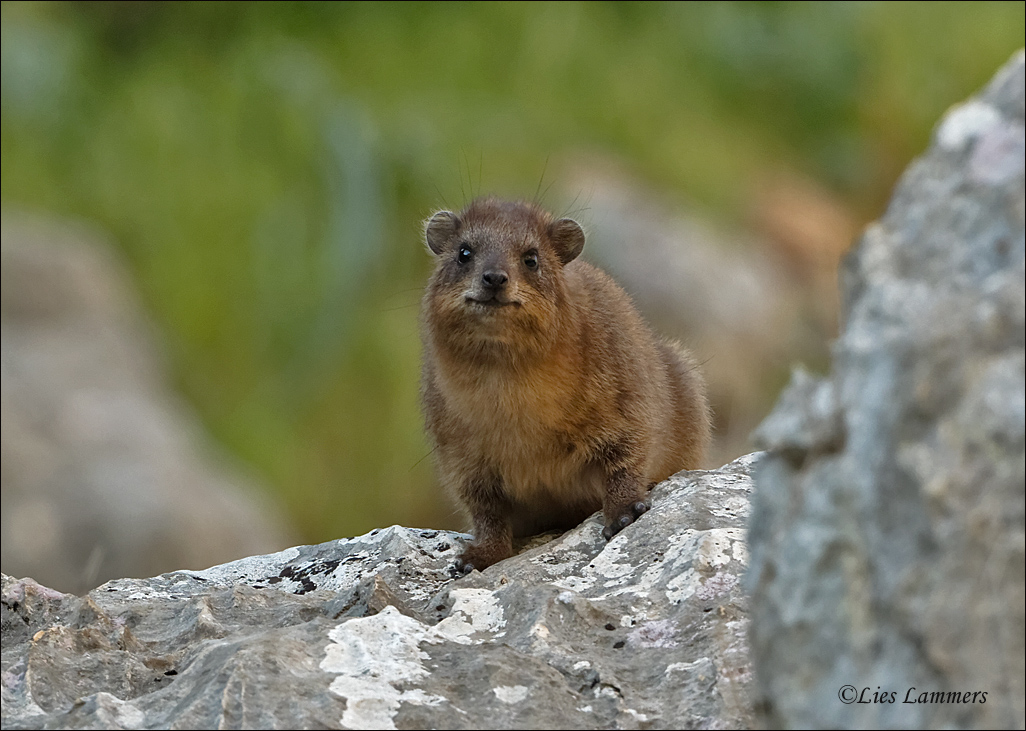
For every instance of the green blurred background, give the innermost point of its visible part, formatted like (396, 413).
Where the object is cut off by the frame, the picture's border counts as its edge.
(266, 167)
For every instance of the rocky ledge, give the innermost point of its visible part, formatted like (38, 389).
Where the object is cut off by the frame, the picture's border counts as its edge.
(648, 629)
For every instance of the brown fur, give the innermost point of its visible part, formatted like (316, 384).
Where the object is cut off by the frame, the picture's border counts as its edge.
(546, 394)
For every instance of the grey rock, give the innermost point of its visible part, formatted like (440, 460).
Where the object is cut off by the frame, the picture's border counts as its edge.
(647, 630)
(887, 532)
(105, 473)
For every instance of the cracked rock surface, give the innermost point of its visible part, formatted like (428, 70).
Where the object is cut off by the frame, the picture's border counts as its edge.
(887, 532)
(647, 630)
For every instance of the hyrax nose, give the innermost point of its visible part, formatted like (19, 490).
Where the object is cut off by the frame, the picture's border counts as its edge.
(494, 278)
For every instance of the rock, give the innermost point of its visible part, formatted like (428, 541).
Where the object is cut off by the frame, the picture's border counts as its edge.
(105, 473)
(647, 630)
(887, 532)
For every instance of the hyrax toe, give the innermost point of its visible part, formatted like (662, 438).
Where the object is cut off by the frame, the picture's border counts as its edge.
(480, 556)
(623, 518)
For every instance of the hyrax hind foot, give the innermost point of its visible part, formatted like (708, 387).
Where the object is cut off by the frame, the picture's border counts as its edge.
(480, 556)
(622, 518)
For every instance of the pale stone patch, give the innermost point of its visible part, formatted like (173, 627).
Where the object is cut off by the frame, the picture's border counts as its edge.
(510, 693)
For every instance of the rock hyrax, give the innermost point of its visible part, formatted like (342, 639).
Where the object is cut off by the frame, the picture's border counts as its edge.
(545, 393)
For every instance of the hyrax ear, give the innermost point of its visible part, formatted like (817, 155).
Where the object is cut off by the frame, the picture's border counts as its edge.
(567, 238)
(440, 228)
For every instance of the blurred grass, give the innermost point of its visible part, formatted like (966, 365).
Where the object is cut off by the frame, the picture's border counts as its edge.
(266, 167)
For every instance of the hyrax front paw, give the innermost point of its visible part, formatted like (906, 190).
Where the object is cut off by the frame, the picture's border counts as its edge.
(622, 518)
(480, 556)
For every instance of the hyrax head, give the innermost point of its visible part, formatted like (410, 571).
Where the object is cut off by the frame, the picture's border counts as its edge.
(500, 265)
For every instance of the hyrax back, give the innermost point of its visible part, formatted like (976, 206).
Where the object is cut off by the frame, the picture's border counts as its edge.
(546, 394)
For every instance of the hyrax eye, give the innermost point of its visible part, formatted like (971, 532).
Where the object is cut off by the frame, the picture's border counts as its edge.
(464, 255)
(531, 260)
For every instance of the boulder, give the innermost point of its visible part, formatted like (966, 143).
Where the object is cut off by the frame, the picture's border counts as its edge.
(887, 533)
(106, 474)
(647, 630)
